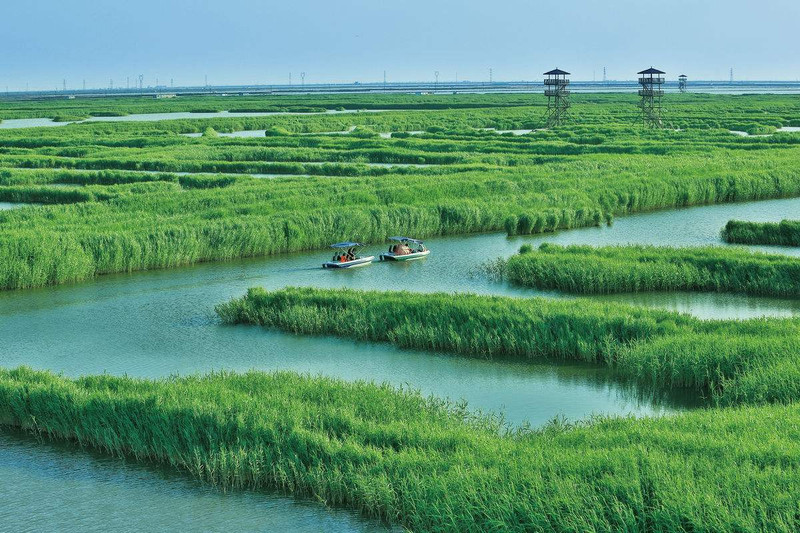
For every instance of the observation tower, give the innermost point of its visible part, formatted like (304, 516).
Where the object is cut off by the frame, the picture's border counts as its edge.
(651, 92)
(556, 88)
(682, 79)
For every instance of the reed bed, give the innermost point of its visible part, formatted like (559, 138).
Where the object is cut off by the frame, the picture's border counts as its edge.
(162, 227)
(618, 269)
(657, 348)
(784, 233)
(428, 465)
(601, 167)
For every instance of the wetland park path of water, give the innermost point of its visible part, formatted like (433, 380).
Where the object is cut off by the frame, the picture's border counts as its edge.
(162, 322)
(17, 123)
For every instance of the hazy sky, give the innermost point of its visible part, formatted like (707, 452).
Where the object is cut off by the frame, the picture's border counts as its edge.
(252, 41)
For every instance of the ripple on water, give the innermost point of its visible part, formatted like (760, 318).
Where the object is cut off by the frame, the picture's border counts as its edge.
(48, 486)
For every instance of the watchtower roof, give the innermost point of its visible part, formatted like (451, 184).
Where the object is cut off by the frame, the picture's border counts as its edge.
(651, 70)
(557, 72)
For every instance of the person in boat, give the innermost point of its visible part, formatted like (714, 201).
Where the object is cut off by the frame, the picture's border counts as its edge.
(351, 255)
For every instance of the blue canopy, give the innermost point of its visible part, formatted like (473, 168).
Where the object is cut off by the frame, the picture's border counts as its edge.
(405, 239)
(346, 244)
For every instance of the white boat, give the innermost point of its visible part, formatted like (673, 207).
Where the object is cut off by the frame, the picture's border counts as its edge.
(346, 257)
(407, 249)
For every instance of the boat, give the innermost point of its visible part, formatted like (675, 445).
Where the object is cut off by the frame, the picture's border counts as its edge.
(406, 249)
(346, 257)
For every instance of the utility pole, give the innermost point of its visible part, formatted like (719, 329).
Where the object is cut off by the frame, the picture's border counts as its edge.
(141, 81)
(731, 74)
(604, 75)
(302, 79)
(84, 84)
(64, 85)
(436, 75)
(490, 75)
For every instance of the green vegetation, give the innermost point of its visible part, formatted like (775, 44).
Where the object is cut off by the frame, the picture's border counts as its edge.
(755, 128)
(616, 269)
(755, 361)
(129, 196)
(432, 466)
(472, 180)
(784, 233)
(68, 118)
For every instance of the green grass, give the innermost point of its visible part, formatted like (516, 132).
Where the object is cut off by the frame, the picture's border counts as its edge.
(732, 362)
(618, 269)
(601, 166)
(419, 462)
(163, 227)
(427, 465)
(784, 233)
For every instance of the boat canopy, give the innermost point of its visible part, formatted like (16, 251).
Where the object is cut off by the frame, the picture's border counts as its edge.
(346, 244)
(405, 239)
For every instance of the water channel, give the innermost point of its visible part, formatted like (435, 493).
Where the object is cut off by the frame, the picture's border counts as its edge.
(162, 322)
(17, 123)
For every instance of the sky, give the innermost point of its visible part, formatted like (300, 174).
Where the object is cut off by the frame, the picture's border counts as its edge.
(43, 42)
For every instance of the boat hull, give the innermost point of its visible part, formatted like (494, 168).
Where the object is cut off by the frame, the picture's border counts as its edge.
(355, 263)
(406, 257)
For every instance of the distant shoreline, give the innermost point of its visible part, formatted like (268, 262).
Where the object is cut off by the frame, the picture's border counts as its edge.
(466, 87)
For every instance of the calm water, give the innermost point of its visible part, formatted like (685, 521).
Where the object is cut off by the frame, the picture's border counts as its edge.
(162, 322)
(143, 117)
(4, 206)
(785, 129)
(60, 487)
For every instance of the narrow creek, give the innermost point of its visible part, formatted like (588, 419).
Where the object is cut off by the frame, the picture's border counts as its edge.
(18, 123)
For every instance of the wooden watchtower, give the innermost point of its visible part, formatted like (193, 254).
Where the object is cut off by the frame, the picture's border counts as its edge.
(652, 81)
(556, 88)
(682, 82)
